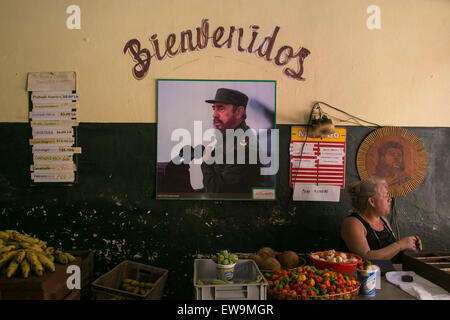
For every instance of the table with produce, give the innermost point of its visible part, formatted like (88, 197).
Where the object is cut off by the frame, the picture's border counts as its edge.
(287, 275)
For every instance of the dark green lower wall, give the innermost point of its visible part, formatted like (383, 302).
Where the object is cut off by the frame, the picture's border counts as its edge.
(112, 209)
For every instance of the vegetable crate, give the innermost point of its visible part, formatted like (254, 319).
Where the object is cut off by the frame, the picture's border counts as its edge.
(243, 287)
(108, 286)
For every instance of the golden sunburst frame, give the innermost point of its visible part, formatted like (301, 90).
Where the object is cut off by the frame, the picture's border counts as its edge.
(394, 154)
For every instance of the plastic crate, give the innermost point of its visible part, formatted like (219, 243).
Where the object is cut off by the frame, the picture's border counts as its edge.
(108, 286)
(245, 270)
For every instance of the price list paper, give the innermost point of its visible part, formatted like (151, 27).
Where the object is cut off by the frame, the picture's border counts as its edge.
(53, 121)
(317, 161)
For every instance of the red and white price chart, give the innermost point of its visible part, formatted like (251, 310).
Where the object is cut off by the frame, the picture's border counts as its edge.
(319, 161)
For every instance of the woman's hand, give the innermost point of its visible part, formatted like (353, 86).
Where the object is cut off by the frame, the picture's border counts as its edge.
(410, 243)
(418, 243)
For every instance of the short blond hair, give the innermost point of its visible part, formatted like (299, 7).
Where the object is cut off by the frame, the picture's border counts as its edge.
(361, 191)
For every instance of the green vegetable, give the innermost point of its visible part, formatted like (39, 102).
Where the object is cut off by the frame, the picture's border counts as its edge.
(222, 282)
(367, 263)
(224, 257)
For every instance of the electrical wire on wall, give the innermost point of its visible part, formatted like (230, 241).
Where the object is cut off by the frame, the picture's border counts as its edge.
(308, 126)
(317, 115)
(394, 219)
(351, 117)
(357, 120)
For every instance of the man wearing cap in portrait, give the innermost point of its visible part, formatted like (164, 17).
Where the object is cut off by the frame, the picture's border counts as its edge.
(235, 176)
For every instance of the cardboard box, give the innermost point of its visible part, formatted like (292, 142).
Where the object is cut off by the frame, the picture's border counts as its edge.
(51, 286)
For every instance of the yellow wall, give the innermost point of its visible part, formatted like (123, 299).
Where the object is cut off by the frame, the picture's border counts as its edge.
(398, 75)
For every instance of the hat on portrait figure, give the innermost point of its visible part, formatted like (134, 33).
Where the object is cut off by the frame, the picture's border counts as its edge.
(230, 96)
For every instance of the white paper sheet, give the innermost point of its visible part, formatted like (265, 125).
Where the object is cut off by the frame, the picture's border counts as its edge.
(420, 288)
(310, 192)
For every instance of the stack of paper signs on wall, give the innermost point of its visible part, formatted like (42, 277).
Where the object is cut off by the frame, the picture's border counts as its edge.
(317, 165)
(53, 120)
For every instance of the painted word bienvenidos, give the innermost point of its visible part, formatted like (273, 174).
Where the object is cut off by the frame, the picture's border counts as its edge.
(263, 49)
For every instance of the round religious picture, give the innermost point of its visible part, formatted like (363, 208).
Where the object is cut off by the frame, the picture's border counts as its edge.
(394, 154)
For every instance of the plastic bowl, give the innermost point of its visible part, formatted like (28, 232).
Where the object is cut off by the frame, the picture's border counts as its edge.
(347, 267)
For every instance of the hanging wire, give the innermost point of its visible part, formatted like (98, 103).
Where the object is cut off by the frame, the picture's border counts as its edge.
(294, 177)
(356, 120)
(394, 219)
(346, 113)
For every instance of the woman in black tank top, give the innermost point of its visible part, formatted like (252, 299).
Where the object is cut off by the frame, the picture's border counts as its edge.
(366, 232)
(376, 239)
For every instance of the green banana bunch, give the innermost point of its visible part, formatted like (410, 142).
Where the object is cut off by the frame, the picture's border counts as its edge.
(5, 258)
(12, 268)
(25, 268)
(61, 257)
(7, 248)
(4, 236)
(20, 251)
(35, 264)
(46, 262)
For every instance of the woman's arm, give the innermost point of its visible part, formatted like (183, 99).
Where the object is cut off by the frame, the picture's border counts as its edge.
(407, 243)
(354, 234)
